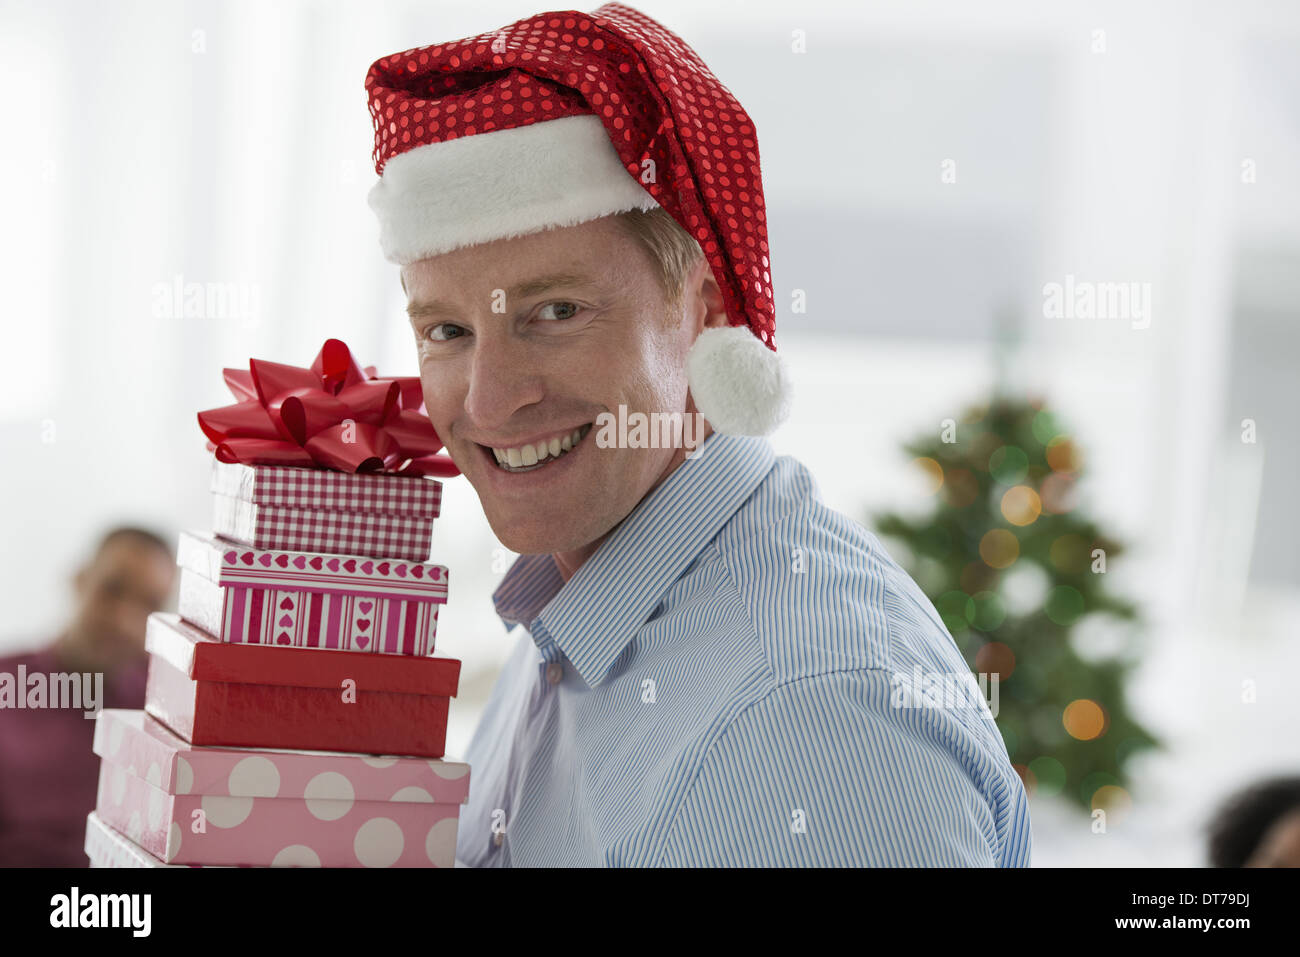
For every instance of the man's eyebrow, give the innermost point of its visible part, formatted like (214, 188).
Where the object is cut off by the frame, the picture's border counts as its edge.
(423, 309)
(535, 287)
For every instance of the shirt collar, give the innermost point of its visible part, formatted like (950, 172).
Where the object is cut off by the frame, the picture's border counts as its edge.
(594, 615)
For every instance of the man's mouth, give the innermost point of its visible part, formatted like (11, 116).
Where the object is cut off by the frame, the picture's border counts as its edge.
(527, 458)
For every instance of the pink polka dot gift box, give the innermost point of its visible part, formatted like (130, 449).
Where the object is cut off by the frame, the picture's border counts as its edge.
(107, 848)
(218, 806)
(306, 600)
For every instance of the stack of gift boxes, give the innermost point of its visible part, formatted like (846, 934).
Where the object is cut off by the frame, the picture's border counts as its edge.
(295, 712)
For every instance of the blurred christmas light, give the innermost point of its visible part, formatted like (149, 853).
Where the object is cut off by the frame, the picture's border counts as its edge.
(1094, 782)
(1009, 465)
(1024, 589)
(933, 472)
(990, 612)
(999, 548)
(1061, 455)
(995, 658)
(1057, 492)
(1021, 505)
(1064, 605)
(1084, 719)
(957, 609)
(1115, 801)
(1044, 427)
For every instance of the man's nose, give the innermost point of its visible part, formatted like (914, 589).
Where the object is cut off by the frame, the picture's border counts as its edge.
(505, 376)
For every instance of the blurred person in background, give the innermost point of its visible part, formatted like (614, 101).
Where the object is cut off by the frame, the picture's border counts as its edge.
(48, 772)
(1258, 826)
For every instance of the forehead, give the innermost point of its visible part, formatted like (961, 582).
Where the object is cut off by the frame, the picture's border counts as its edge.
(130, 554)
(600, 250)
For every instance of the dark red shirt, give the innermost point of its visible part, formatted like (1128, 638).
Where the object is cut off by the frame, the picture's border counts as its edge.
(48, 773)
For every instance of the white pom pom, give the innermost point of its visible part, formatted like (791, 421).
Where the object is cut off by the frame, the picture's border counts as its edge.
(739, 385)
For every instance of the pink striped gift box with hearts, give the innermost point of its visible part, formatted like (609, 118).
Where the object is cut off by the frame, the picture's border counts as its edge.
(299, 599)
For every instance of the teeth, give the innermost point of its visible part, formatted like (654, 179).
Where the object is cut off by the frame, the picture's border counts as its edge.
(526, 456)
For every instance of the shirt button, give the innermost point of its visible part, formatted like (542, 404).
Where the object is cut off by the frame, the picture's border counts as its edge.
(554, 672)
(499, 838)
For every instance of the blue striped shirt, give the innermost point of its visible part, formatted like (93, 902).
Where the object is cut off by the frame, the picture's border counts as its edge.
(722, 683)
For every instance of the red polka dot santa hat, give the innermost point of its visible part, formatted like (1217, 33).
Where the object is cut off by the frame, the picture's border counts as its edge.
(562, 118)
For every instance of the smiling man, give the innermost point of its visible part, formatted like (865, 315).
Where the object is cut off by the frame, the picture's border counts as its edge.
(589, 324)
(711, 666)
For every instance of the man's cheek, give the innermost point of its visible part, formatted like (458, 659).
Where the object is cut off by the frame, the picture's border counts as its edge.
(441, 425)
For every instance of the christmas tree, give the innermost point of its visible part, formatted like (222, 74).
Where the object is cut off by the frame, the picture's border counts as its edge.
(1019, 576)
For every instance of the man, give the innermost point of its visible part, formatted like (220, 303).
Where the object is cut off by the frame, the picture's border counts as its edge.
(712, 667)
(48, 773)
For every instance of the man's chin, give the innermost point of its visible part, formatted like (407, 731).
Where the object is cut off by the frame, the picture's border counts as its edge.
(554, 534)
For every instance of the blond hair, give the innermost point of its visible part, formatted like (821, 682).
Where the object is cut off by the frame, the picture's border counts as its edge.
(671, 248)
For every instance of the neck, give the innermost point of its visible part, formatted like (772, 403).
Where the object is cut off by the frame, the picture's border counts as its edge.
(73, 657)
(569, 562)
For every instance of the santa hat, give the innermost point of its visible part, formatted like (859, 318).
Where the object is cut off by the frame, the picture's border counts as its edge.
(567, 117)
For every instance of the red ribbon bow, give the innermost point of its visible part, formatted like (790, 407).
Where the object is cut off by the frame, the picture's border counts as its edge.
(335, 415)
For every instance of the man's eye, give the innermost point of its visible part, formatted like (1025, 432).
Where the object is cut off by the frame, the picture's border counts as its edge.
(444, 331)
(558, 310)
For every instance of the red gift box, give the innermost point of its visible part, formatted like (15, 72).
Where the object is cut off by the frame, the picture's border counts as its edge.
(253, 696)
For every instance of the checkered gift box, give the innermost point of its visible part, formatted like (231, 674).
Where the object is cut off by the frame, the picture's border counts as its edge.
(323, 489)
(318, 510)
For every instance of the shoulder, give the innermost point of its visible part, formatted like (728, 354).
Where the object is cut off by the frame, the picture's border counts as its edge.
(830, 770)
(820, 761)
(822, 592)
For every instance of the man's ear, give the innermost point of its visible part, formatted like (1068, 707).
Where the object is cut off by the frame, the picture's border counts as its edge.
(705, 297)
(736, 381)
